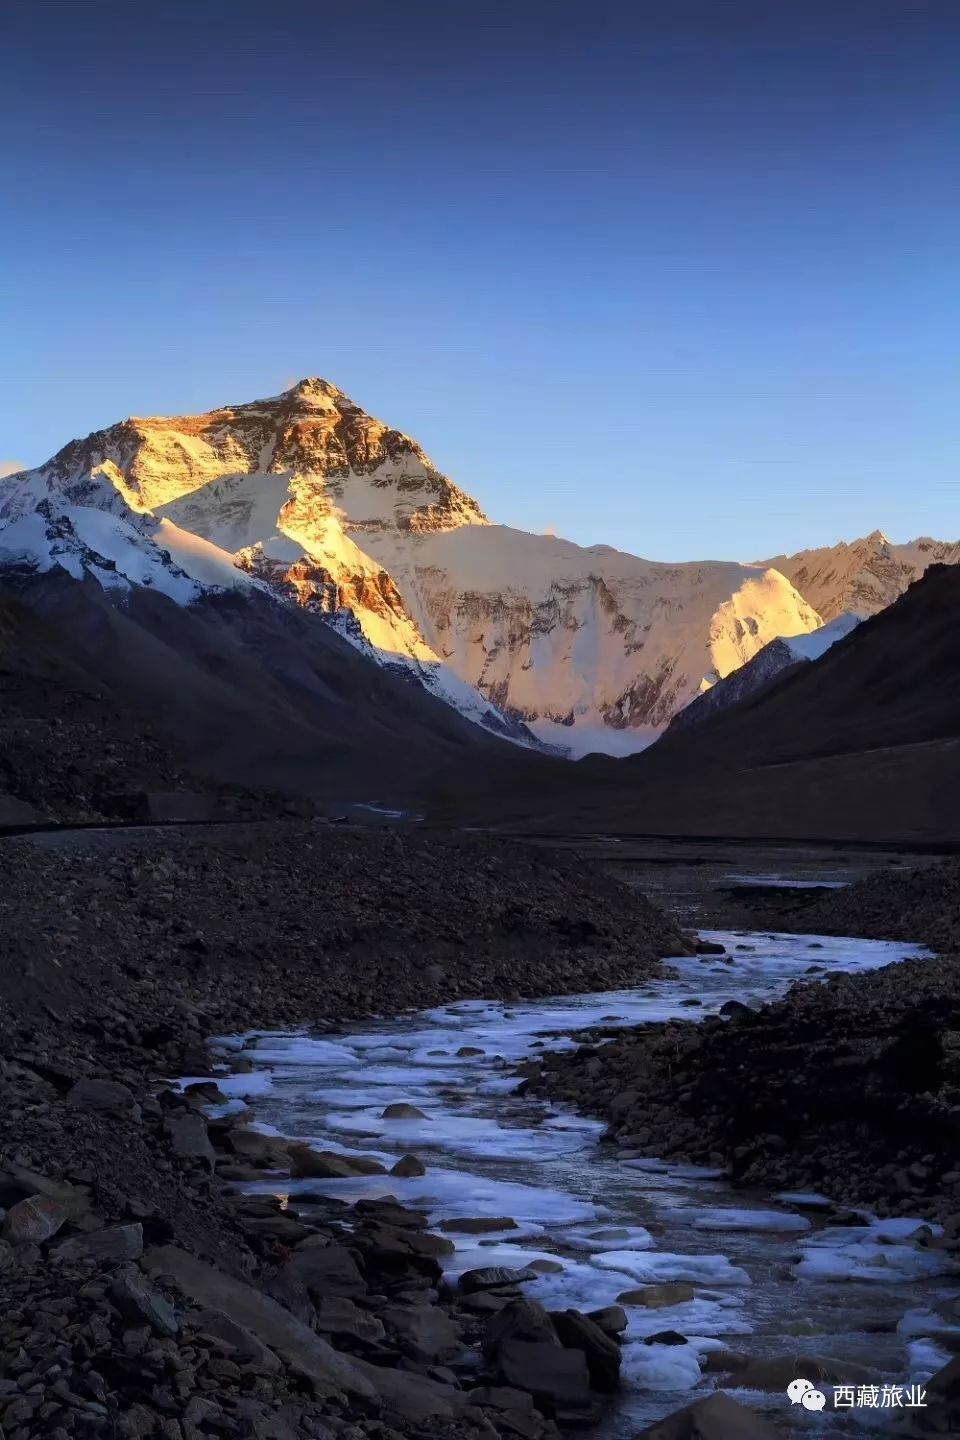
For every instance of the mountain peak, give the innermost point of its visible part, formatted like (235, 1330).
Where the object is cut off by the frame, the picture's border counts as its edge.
(877, 537)
(314, 390)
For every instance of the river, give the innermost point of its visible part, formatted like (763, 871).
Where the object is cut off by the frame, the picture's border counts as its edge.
(771, 1274)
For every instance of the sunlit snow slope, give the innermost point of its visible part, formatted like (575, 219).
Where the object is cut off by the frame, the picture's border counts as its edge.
(310, 499)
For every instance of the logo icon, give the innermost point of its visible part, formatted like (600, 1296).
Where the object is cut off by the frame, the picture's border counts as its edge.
(803, 1392)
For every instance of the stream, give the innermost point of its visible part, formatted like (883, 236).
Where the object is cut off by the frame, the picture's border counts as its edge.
(771, 1274)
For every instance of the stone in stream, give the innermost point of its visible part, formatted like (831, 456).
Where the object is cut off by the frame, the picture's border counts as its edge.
(577, 1332)
(716, 1418)
(266, 1151)
(522, 1320)
(665, 1337)
(492, 1277)
(612, 1319)
(554, 1376)
(403, 1111)
(310, 1164)
(658, 1297)
(479, 1224)
(407, 1167)
(710, 947)
(775, 1372)
(735, 1007)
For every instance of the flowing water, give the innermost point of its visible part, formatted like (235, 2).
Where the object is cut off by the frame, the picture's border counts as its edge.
(771, 1275)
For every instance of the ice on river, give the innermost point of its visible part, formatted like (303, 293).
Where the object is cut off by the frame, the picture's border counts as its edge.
(594, 1226)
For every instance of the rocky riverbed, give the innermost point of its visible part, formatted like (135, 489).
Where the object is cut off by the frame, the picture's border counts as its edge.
(142, 1293)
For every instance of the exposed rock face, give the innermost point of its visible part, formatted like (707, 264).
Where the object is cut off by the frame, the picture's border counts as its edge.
(864, 576)
(306, 497)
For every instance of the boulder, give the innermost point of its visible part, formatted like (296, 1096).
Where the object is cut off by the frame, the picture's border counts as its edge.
(602, 1354)
(34, 1220)
(718, 1417)
(338, 1315)
(266, 1151)
(424, 1332)
(326, 1270)
(553, 1376)
(658, 1297)
(17, 1183)
(414, 1398)
(118, 1243)
(139, 1303)
(242, 1341)
(492, 1277)
(520, 1319)
(775, 1372)
(408, 1167)
(402, 1111)
(611, 1319)
(108, 1096)
(307, 1353)
(189, 1139)
(328, 1165)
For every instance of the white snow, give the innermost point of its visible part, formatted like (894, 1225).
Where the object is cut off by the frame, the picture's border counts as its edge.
(811, 646)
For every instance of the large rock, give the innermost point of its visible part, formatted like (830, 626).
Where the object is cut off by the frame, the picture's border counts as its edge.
(310, 1164)
(577, 1332)
(520, 1320)
(658, 1297)
(424, 1332)
(108, 1096)
(118, 1243)
(776, 1371)
(326, 1270)
(189, 1139)
(412, 1397)
(715, 1418)
(555, 1377)
(141, 1304)
(34, 1220)
(338, 1315)
(402, 1111)
(303, 1350)
(267, 1151)
(244, 1342)
(493, 1277)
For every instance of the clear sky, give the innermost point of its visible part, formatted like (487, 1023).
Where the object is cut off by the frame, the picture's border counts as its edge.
(680, 277)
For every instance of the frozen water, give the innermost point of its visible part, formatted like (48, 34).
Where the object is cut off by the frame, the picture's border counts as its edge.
(598, 1226)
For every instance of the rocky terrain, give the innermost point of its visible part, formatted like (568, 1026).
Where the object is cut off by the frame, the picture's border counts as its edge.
(861, 745)
(850, 1087)
(144, 1294)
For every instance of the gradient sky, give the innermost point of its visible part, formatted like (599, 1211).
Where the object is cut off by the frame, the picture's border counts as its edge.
(678, 277)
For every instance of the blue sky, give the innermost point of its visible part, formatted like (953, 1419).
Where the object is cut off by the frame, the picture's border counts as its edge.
(678, 277)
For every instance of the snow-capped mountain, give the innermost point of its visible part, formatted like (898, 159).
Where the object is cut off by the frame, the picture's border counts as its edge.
(307, 499)
(864, 576)
(329, 508)
(259, 489)
(780, 655)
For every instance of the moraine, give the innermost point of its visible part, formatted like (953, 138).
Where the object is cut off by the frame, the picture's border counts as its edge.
(770, 1274)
